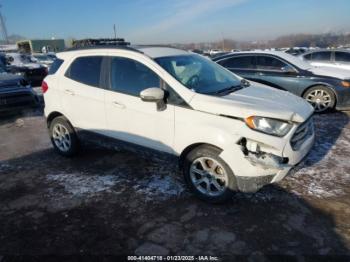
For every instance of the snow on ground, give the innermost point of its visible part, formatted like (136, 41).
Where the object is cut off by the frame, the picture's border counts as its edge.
(326, 171)
(78, 185)
(161, 188)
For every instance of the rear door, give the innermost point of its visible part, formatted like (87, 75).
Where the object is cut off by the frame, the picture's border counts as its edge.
(83, 93)
(277, 73)
(342, 59)
(242, 65)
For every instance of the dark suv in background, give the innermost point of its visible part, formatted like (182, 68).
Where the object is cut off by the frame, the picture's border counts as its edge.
(323, 88)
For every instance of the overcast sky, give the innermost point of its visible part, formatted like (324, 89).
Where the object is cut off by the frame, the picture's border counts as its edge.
(170, 21)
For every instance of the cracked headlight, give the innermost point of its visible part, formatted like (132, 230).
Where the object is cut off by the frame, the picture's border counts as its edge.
(268, 125)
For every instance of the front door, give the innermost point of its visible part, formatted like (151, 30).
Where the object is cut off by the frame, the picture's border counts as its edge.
(276, 73)
(128, 117)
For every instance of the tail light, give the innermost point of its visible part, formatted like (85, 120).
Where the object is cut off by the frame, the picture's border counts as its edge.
(44, 87)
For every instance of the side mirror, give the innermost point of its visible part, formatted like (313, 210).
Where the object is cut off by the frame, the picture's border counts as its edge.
(154, 94)
(288, 70)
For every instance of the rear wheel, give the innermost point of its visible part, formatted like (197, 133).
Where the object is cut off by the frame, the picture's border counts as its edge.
(63, 136)
(321, 98)
(208, 176)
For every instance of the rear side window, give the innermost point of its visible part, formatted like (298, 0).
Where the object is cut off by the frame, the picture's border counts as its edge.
(242, 62)
(269, 63)
(131, 77)
(86, 70)
(55, 66)
(342, 57)
(321, 56)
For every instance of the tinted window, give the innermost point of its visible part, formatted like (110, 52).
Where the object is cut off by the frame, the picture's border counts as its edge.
(55, 65)
(321, 56)
(86, 70)
(131, 77)
(242, 62)
(342, 57)
(269, 63)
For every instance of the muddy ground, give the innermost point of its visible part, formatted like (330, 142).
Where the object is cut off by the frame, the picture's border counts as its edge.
(121, 202)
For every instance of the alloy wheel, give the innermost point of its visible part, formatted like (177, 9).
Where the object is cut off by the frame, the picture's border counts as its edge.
(319, 99)
(61, 137)
(208, 176)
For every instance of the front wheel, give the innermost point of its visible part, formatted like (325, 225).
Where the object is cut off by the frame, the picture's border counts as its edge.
(208, 176)
(321, 98)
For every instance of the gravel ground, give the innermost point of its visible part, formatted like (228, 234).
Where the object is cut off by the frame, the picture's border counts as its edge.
(121, 202)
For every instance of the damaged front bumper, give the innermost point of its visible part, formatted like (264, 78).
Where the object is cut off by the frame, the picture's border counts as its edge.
(258, 168)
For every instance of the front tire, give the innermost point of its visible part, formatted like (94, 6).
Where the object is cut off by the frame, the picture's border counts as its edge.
(321, 98)
(208, 176)
(63, 137)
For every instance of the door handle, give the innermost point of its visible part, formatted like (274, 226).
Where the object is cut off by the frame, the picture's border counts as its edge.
(117, 104)
(69, 92)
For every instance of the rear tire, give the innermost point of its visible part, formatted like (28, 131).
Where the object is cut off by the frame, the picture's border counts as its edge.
(321, 98)
(63, 137)
(208, 176)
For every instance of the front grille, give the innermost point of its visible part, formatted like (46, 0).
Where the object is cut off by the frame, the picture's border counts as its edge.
(303, 132)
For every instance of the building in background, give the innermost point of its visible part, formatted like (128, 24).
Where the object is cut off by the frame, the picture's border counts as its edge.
(41, 45)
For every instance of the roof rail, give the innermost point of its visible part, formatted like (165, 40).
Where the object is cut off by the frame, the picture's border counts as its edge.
(102, 47)
(98, 43)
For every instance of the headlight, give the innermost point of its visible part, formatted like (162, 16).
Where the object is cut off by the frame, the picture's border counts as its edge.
(268, 125)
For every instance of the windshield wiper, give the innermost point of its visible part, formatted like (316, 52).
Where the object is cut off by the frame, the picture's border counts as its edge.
(231, 89)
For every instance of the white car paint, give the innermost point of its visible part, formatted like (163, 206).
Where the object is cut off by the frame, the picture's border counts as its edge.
(211, 120)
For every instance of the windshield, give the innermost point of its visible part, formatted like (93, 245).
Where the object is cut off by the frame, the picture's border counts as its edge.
(198, 73)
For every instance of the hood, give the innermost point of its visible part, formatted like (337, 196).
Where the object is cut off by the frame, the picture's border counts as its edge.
(10, 80)
(330, 71)
(255, 100)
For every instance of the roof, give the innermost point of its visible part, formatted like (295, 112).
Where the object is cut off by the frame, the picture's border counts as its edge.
(154, 52)
(151, 51)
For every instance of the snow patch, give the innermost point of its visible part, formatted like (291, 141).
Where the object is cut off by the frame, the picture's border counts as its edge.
(160, 188)
(82, 185)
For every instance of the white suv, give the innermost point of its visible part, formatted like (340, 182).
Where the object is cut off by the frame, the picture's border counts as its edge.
(229, 134)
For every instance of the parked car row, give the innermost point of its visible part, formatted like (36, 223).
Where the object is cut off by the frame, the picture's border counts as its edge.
(18, 73)
(15, 93)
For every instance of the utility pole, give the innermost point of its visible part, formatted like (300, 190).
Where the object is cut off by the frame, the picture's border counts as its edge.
(115, 32)
(223, 42)
(3, 28)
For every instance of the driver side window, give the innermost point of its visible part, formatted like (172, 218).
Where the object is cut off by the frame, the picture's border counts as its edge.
(131, 77)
